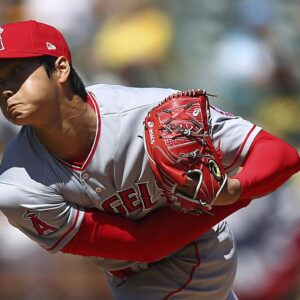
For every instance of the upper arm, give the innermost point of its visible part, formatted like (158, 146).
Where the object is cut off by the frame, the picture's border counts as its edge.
(43, 216)
(234, 136)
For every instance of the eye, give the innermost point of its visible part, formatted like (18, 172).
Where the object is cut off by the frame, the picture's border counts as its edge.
(16, 70)
(214, 169)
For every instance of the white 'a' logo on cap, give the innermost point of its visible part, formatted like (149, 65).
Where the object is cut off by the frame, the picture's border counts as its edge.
(1, 41)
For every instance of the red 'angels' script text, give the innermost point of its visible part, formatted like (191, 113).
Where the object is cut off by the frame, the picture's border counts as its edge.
(130, 200)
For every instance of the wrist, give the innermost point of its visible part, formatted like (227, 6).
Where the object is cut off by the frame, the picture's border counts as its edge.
(230, 193)
(234, 188)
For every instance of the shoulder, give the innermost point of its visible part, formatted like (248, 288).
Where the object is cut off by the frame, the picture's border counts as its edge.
(220, 114)
(16, 150)
(117, 98)
(25, 162)
(221, 119)
(20, 149)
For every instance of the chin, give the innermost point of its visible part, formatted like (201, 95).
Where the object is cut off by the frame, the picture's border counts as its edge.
(19, 121)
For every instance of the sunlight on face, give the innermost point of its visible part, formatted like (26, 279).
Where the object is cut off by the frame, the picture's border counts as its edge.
(25, 89)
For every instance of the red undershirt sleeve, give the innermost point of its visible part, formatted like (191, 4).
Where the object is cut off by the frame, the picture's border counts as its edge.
(153, 237)
(269, 163)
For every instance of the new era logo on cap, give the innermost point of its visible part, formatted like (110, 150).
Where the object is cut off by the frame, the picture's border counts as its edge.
(32, 39)
(1, 41)
(50, 46)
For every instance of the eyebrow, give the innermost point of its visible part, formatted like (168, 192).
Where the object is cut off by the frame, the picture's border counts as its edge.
(4, 62)
(3, 66)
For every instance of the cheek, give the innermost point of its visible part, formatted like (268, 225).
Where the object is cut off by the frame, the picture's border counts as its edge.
(36, 98)
(38, 91)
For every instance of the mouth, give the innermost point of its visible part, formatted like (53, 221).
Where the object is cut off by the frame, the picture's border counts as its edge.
(12, 110)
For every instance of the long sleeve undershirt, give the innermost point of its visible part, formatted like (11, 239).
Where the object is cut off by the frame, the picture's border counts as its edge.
(269, 163)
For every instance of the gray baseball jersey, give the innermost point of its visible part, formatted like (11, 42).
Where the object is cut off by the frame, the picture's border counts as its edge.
(45, 197)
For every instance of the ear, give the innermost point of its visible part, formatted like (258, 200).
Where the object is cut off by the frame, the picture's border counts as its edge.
(62, 69)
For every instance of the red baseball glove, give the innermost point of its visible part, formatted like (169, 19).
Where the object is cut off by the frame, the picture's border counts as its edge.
(178, 141)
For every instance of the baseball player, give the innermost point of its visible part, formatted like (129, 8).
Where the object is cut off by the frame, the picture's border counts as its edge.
(77, 178)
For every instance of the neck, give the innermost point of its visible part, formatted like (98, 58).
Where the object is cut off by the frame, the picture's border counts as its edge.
(70, 136)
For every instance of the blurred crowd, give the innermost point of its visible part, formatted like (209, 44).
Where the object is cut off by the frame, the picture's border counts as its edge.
(246, 52)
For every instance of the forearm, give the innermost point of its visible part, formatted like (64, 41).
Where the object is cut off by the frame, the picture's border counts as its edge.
(270, 162)
(165, 231)
(155, 236)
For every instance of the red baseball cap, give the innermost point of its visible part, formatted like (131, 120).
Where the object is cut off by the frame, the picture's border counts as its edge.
(32, 39)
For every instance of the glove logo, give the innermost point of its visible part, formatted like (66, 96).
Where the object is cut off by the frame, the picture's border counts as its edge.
(150, 124)
(214, 169)
(196, 112)
(151, 135)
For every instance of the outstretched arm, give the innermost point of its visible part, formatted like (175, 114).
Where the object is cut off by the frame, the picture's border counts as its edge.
(269, 163)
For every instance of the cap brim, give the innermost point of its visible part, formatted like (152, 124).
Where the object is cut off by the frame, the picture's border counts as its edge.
(19, 55)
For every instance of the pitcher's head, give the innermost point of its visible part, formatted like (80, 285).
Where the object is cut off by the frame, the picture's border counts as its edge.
(36, 71)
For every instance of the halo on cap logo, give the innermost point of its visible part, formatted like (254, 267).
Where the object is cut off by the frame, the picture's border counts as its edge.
(1, 41)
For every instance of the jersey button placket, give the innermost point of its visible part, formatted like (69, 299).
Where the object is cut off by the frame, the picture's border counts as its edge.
(98, 189)
(91, 185)
(85, 176)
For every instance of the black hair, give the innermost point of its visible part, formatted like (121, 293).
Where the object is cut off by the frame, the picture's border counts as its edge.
(77, 84)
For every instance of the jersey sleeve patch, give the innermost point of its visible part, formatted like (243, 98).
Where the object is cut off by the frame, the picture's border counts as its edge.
(46, 218)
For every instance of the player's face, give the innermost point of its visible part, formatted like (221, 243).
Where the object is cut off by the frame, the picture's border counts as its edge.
(25, 90)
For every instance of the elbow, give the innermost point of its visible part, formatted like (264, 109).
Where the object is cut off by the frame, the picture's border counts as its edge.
(292, 160)
(282, 154)
(151, 253)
